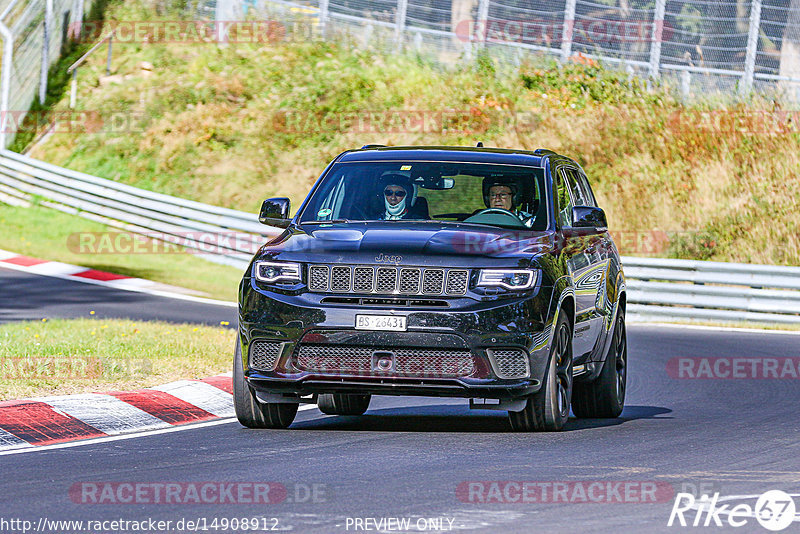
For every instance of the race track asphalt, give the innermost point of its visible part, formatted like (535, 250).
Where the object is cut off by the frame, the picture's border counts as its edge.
(406, 457)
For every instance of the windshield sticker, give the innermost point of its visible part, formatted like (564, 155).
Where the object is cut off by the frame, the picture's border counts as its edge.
(324, 212)
(405, 168)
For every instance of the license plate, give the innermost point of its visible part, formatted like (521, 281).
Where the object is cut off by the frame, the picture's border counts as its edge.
(381, 322)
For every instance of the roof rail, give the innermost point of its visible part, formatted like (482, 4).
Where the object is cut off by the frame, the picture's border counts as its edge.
(544, 151)
(372, 146)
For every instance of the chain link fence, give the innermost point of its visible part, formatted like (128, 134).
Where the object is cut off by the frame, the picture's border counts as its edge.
(698, 46)
(33, 33)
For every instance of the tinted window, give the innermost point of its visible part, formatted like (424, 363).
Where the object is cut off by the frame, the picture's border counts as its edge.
(565, 205)
(586, 190)
(578, 194)
(440, 191)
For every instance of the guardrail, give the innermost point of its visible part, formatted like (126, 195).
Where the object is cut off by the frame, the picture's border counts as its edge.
(658, 289)
(221, 235)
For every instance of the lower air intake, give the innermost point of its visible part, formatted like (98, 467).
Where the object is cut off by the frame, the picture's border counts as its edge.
(510, 363)
(264, 355)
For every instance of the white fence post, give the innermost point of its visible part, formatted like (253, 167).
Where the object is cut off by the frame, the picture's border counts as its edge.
(400, 21)
(566, 31)
(5, 81)
(48, 32)
(657, 35)
(752, 47)
(323, 18)
(483, 21)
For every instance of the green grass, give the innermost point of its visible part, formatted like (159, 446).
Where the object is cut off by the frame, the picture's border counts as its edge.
(233, 125)
(59, 357)
(52, 235)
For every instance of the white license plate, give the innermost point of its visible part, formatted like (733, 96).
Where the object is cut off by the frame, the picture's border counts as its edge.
(381, 322)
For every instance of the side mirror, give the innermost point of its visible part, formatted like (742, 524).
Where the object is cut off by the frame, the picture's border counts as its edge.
(588, 217)
(275, 212)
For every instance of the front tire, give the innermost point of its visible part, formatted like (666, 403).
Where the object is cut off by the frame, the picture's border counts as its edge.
(547, 410)
(343, 404)
(249, 411)
(604, 397)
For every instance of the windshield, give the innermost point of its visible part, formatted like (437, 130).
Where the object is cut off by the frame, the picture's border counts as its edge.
(505, 196)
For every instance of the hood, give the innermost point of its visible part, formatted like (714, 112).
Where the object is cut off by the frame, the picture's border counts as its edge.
(408, 243)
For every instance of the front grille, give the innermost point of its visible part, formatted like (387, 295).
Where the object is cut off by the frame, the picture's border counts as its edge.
(386, 280)
(318, 278)
(432, 281)
(340, 279)
(264, 355)
(509, 363)
(409, 362)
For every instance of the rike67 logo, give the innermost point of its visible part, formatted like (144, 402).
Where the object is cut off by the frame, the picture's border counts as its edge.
(774, 510)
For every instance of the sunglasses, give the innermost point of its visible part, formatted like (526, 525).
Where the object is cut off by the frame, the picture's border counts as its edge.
(398, 194)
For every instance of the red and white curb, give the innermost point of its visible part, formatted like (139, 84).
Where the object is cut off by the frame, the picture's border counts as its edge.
(49, 420)
(66, 271)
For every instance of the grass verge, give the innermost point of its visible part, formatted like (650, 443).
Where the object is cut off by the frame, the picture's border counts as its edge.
(45, 233)
(61, 357)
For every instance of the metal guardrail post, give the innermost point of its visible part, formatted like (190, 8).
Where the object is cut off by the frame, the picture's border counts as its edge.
(568, 28)
(752, 47)
(400, 21)
(657, 36)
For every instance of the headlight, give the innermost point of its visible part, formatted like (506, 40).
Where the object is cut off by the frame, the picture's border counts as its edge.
(514, 279)
(270, 271)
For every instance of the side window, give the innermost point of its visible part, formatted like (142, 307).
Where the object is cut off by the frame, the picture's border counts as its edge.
(583, 185)
(565, 205)
(578, 195)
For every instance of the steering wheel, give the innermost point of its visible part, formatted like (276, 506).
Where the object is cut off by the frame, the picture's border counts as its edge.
(513, 220)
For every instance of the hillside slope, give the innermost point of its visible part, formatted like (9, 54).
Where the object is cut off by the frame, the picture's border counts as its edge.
(233, 125)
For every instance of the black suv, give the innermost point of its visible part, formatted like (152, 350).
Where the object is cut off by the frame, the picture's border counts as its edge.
(479, 273)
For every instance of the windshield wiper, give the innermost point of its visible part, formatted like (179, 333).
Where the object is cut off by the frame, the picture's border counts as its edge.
(329, 221)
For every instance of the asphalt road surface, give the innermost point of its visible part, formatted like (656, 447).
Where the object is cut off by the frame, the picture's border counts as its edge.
(428, 461)
(25, 296)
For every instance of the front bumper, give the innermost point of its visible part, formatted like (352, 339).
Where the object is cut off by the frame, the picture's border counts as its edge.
(466, 326)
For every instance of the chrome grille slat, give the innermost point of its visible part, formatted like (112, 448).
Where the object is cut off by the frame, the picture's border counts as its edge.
(318, 278)
(409, 281)
(340, 278)
(264, 355)
(456, 282)
(432, 281)
(363, 279)
(388, 280)
(408, 362)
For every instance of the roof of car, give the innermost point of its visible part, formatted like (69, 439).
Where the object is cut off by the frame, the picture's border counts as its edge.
(445, 153)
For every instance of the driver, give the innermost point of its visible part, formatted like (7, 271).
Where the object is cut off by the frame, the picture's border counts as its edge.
(504, 196)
